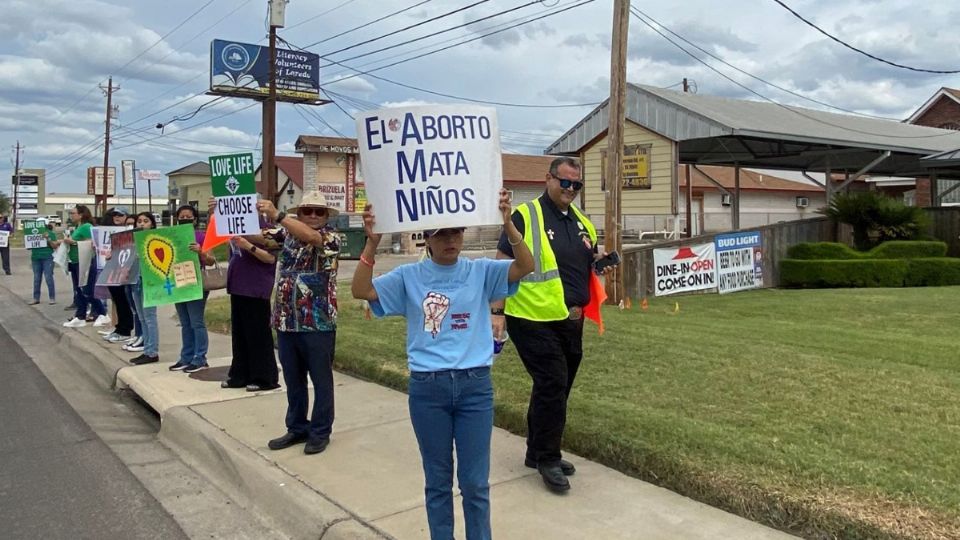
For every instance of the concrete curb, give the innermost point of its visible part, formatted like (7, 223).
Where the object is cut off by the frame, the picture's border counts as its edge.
(254, 482)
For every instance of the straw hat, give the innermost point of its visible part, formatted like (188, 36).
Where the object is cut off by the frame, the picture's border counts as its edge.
(317, 200)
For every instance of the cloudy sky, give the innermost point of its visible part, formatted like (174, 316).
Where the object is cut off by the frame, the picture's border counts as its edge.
(55, 53)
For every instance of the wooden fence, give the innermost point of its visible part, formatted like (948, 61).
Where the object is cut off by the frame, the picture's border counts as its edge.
(945, 226)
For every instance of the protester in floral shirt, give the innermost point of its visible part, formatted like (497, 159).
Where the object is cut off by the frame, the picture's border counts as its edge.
(305, 317)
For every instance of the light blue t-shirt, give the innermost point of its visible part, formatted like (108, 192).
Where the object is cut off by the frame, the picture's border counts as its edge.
(447, 309)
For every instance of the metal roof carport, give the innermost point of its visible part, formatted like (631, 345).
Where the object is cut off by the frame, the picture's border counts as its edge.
(741, 133)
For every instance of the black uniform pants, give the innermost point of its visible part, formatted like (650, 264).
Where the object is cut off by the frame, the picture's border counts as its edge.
(551, 352)
(124, 310)
(253, 358)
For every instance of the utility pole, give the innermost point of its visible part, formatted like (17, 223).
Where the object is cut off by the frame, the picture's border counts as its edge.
(106, 145)
(16, 188)
(615, 105)
(686, 170)
(268, 170)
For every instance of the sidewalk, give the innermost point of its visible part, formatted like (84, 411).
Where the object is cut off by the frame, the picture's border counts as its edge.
(369, 483)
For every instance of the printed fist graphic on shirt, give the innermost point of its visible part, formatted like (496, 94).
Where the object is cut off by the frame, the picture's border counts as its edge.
(435, 307)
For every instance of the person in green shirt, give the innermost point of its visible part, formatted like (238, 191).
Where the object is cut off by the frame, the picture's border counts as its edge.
(83, 296)
(42, 260)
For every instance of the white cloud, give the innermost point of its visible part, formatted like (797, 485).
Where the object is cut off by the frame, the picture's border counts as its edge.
(357, 85)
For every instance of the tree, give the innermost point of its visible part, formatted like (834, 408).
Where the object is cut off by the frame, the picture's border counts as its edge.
(4, 204)
(873, 215)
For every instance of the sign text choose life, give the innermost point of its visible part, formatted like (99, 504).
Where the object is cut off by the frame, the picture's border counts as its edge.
(232, 178)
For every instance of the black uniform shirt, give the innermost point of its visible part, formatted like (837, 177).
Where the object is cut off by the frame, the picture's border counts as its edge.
(571, 246)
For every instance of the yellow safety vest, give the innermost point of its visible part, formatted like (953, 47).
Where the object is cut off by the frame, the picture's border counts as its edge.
(540, 297)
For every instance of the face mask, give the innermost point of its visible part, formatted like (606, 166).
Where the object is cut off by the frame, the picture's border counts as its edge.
(185, 221)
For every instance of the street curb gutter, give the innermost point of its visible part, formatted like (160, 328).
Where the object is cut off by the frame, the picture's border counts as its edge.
(291, 506)
(106, 365)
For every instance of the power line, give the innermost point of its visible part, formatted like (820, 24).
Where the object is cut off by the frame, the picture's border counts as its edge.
(174, 29)
(298, 107)
(404, 29)
(195, 125)
(369, 73)
(748, 74)
(318, 15)
(774, 102)
(345, 32)
(861, 51)
(198, 34)
(445, 30)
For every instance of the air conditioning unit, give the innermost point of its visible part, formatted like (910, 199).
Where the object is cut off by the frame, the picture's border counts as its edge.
(803, 202)
(726, 199)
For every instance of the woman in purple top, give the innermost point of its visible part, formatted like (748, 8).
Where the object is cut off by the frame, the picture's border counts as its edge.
(193, 327)
(250, 284)
(5, 250)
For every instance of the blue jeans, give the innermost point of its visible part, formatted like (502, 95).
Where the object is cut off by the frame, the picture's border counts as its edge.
(43, 268)
(193, 332)
(303, 353)
(147, 316)
(447, 407)
(86, 297)
(137, 325)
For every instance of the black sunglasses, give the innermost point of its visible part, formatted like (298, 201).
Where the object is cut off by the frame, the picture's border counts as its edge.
(567, 184)
(308, 211)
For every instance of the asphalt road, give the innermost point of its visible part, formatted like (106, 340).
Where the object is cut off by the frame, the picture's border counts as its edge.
(58, 479)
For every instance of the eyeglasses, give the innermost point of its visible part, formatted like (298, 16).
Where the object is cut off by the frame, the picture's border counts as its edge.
(308, 211)
(568, 184)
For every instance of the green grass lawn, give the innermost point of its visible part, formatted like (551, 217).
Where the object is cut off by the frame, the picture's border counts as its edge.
(828, 413)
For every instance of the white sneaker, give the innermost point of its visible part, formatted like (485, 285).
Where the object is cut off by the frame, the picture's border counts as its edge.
(138, 342)
(75, 323)
(133, 348)
(132, 340)
(116, 338)
(105, 332)
(107, 337)
(102, 320)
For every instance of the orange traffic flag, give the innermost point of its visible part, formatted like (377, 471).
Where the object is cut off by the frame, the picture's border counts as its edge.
(598, 295)
(212, 239)
(644, 305)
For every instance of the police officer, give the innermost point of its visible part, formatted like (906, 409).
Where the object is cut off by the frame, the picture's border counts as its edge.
(545, 318)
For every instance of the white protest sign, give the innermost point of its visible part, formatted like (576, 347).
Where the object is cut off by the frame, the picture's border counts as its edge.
(4, 239)
(101, 242)
(739, 262)
(431, 166)
(232, 179)
(34, 235)
(684, 269)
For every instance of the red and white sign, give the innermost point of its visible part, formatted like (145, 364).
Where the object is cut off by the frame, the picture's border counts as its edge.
(684, 269)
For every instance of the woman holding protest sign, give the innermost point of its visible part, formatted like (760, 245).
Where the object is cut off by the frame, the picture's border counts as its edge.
(193, 327)
(42, 261)
(250, 283)
(147, 315)
(84, 297)
(445, 299)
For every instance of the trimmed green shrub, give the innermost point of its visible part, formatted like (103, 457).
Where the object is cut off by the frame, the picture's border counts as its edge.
(908, 249)
(843, 273)
(932, 272)
(810, 251)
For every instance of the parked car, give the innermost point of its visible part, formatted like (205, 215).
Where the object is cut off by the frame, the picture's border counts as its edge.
(56, 220)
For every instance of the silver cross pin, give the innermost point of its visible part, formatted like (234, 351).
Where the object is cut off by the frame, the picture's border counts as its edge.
(550, 233)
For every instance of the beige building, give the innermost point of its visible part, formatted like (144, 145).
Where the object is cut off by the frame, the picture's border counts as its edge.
(189, 185)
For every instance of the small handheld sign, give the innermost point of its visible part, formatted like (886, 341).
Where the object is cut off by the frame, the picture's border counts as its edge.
(431, 166)
(34, 235)
(232, 178)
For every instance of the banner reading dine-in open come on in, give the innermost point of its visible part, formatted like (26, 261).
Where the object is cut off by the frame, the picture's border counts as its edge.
(434, 166)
